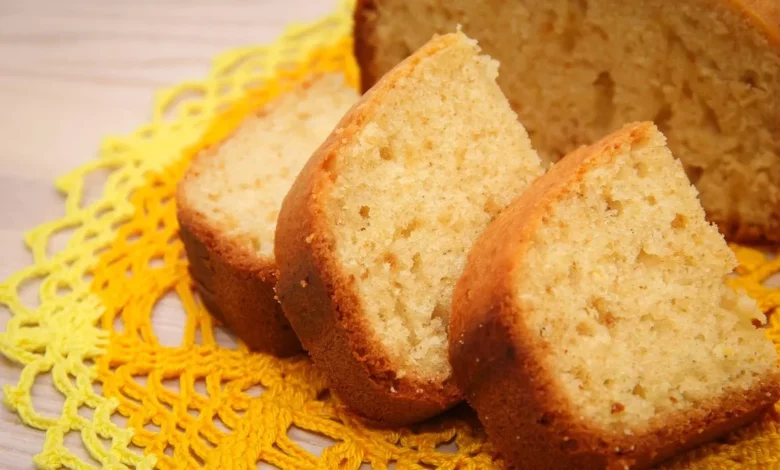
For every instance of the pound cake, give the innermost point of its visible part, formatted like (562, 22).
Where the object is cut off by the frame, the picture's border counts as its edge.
(592, 326)
(229, 199)
(376, 229)
(707, 72)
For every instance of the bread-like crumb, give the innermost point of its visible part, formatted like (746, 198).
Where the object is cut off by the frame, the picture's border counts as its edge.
(706, 72)
(607, 316)
(228, 201)
(416, 186)
(633, 295)
(239, 184)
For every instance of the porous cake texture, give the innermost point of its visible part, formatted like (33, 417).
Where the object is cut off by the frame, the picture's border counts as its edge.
(706, 72)
(593, 325)
(375, 232)
(229, 199)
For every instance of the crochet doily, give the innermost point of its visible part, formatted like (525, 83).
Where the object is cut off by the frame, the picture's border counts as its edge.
(198, 404)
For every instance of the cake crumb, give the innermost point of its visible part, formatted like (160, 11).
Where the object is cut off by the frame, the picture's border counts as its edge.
(304, 283)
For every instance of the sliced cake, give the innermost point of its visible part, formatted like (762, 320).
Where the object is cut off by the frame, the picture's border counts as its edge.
(592, 327)
(376, 229)
(707, 72)
(230, 197)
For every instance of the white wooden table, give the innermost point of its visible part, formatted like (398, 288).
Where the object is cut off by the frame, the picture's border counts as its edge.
(73, 71)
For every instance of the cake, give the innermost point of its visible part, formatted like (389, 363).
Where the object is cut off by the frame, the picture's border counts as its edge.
(706, 72)
(229, 199)
(375, 230)
(592, 326)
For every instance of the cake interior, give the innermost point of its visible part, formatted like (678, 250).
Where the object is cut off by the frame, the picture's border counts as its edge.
(626, 281)
(432, 164)
(239, 184)
(575, 70)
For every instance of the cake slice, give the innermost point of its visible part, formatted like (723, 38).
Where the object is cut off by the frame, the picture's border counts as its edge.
(706, 71)
(376, 229)
(229, 199)
(592, 326)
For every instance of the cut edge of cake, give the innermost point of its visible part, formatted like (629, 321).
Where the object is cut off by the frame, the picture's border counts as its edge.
(320, 299)
(234, 277)
(737, 223)
(505, 372)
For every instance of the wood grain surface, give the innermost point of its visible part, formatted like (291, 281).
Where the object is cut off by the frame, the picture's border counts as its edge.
(74, 71)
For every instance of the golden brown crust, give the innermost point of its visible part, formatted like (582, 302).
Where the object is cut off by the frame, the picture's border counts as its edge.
(750, 233)
(364, 48)
(497, 361)
(235, 286)
(763, 13)
(320, 300)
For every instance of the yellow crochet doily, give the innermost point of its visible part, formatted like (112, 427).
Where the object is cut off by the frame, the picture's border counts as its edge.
(198, 404)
